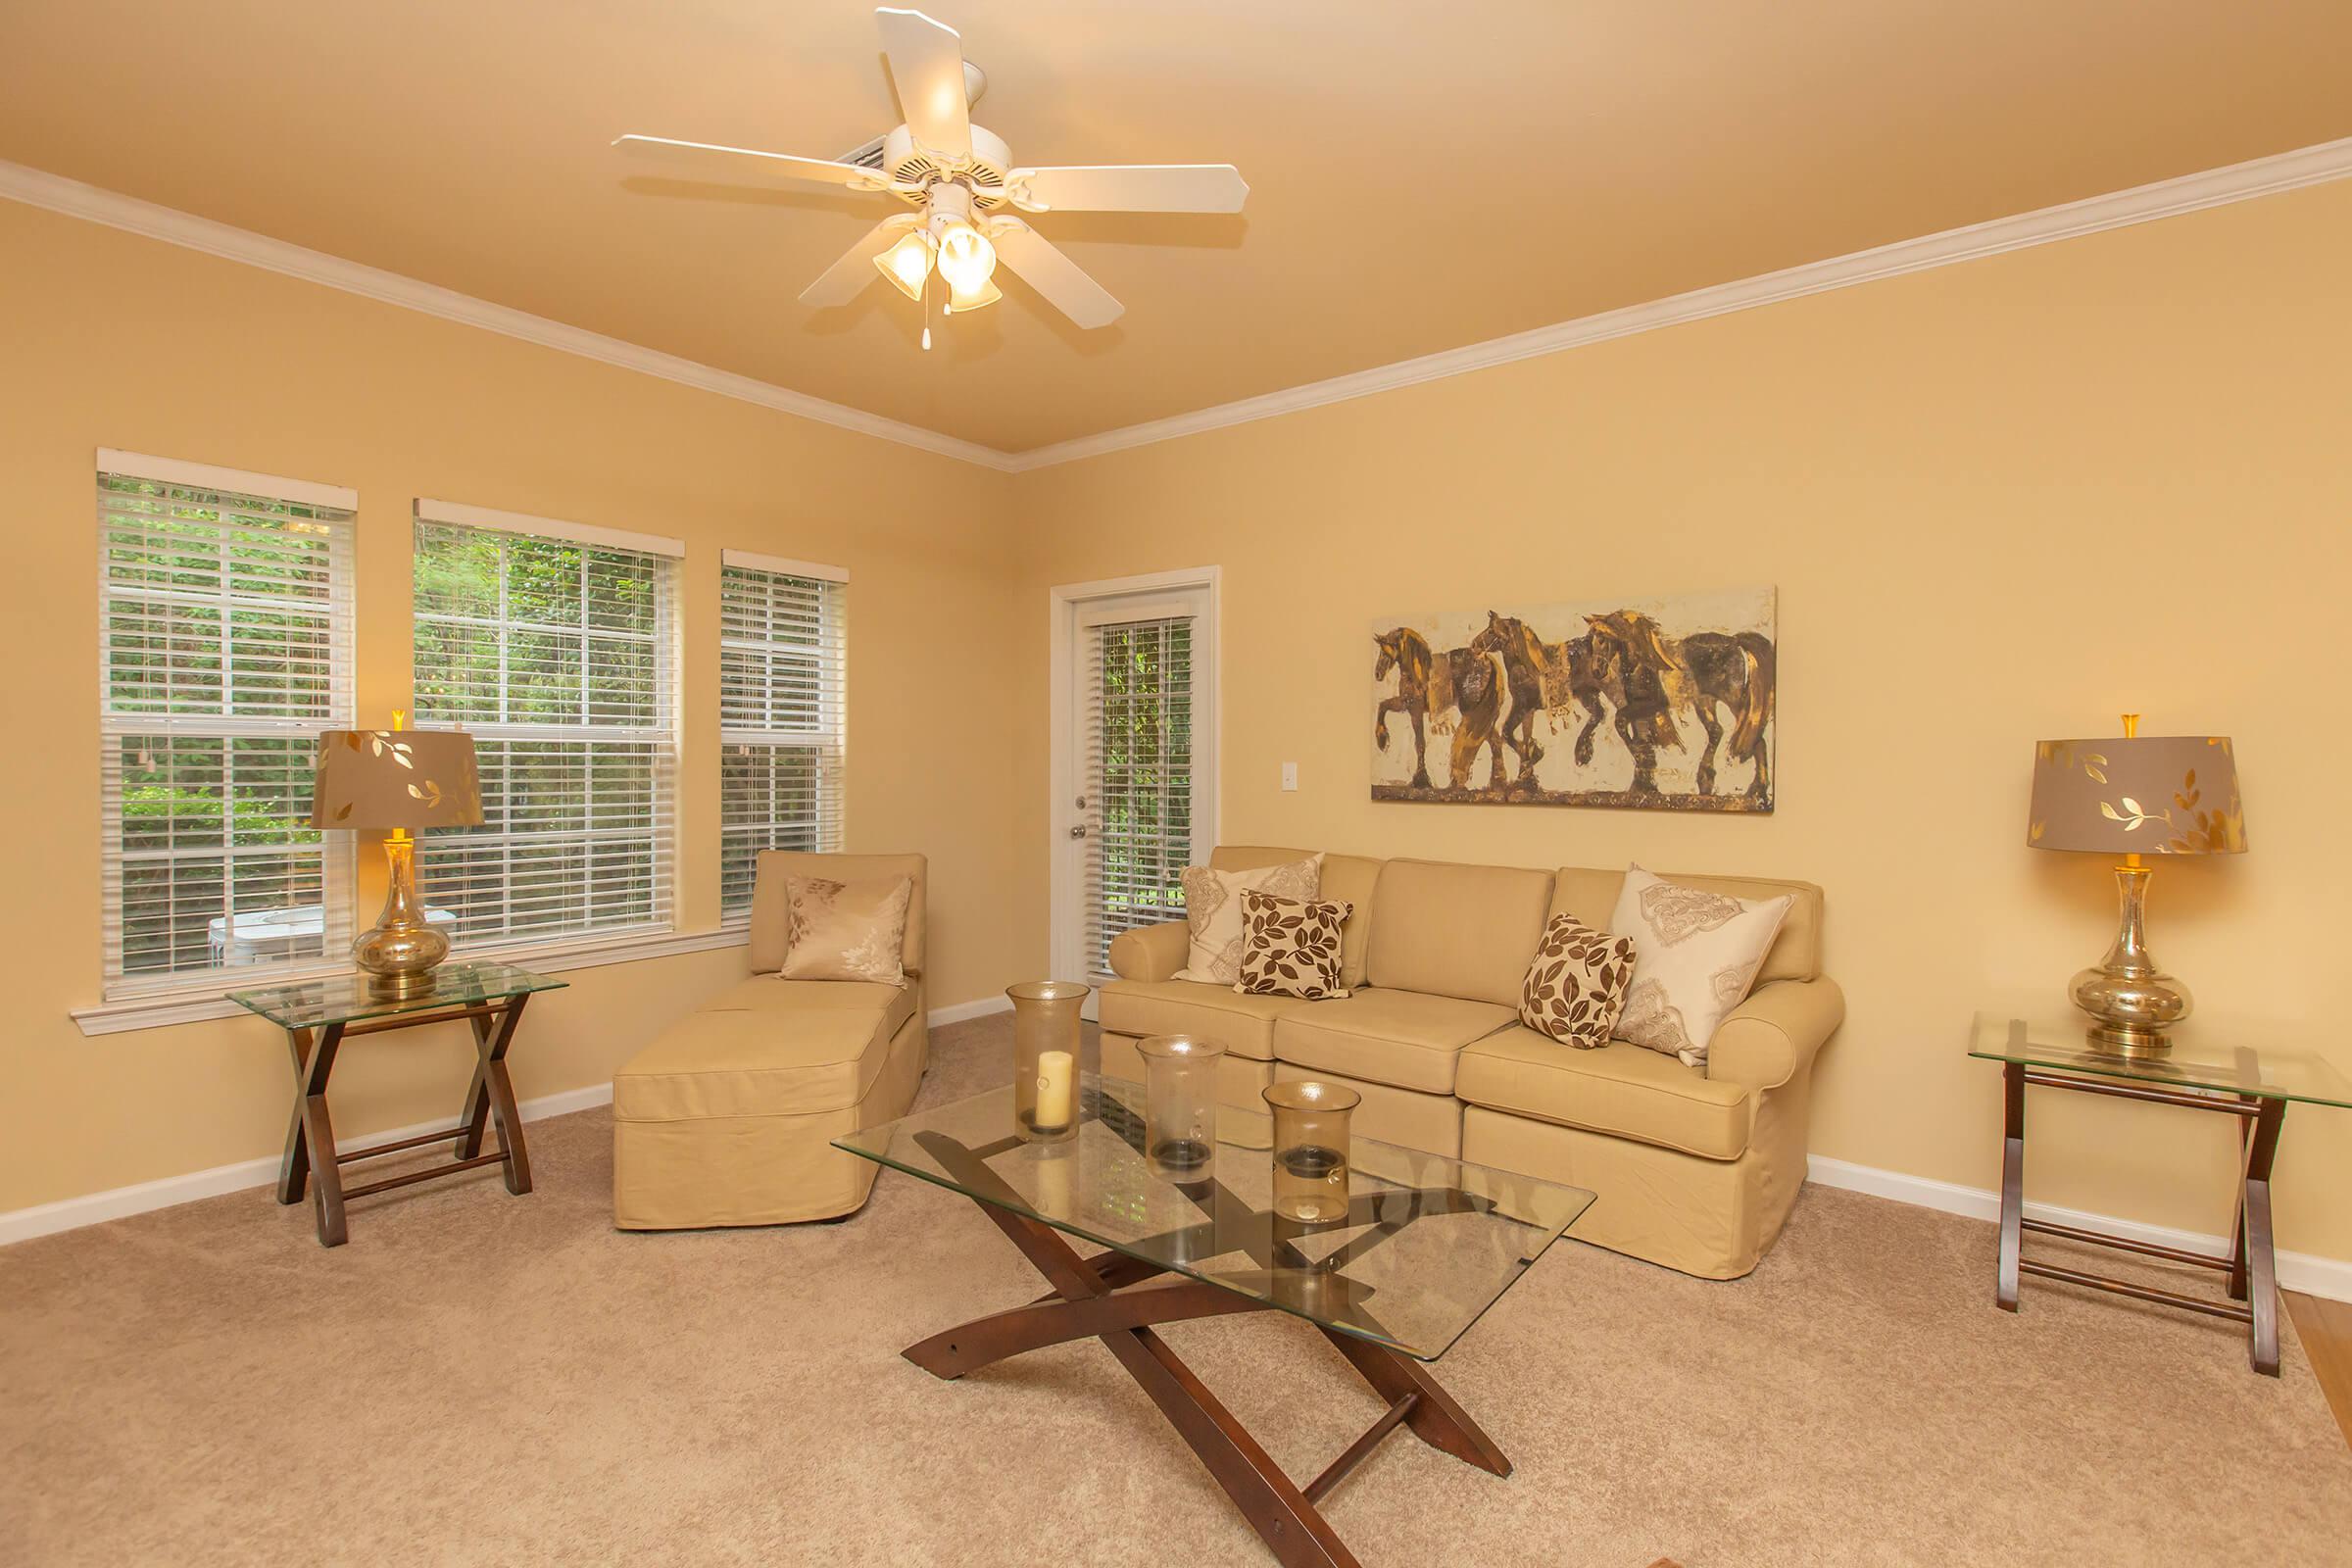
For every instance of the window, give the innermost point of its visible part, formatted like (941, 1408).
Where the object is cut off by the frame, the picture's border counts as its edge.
(782, 634)
(225, 647)
(556, 646)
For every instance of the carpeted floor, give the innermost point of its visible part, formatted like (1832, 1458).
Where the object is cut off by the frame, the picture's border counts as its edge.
(480, 1379)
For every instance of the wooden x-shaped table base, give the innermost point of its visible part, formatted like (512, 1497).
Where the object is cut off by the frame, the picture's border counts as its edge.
(1102, 1296)
(311, 1135)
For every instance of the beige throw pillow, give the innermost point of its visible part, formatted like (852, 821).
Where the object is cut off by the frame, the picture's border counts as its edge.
(1576, 983)
(1291, 947)
(846, 930)
(1696, 954)
(1212, 910)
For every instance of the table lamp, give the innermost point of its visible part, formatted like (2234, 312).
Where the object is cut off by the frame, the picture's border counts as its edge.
(398, 780)
(2153, 795)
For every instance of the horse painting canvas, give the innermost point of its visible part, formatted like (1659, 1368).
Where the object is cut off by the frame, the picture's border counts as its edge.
(1659, 702)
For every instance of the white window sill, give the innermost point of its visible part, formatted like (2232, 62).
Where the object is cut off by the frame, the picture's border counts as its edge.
(168, 1008)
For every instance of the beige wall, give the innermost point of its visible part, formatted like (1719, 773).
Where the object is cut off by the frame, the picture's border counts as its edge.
(2002, 501)
(112, 340)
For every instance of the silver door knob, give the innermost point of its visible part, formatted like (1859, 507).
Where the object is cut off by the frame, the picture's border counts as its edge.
(1079, 831)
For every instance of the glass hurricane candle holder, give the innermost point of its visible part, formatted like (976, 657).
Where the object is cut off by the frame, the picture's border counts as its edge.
(1180, 1104)
(1045, 1058)
(1310, 1150)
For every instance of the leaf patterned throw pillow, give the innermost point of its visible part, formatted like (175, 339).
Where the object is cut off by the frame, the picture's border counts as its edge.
(1576, 983)
(1291, 947)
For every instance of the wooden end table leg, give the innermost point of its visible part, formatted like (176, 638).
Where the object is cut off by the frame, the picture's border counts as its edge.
(293, 1172)
(318, 1139)
(2013, 1181)
(2262, 1285)
(491, 1096)
(2238, 1218)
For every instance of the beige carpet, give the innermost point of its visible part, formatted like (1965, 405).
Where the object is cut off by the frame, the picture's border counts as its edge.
(480, 1379)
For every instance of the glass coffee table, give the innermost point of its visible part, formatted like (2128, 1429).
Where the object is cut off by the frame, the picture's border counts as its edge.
(1427, 1246)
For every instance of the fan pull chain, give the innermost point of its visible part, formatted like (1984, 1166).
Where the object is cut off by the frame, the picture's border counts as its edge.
(925, 301)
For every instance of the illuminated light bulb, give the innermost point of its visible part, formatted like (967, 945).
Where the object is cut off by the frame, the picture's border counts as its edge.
(966, 257)
(906, 263)
(960, 299)
(926, 339)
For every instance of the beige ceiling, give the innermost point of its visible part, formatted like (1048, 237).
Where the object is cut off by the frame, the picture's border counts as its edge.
(1423, 175)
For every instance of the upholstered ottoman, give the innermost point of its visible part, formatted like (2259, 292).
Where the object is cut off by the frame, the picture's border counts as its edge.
(728, 1117)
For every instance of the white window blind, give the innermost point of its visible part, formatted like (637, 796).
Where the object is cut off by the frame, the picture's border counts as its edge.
(225, 647)
(1138, 747)
(558, 648)
(783, 634)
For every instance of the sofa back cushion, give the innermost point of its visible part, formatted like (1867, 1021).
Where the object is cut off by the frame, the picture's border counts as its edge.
(771, 914)
(1347, 879)
(1453, 930)
(1591, 897)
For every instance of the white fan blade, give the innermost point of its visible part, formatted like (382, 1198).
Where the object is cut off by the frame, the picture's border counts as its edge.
(1131, 188)
(926, 64)
(841, 283)
(1052, 274)
(742, 163)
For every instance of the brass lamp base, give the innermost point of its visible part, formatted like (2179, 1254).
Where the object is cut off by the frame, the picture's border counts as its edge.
(400, 955)
(2132, 999)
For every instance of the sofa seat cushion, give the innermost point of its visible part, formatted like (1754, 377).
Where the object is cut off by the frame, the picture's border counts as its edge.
(785, 1057)
(1243, 1023)
(1408, 1039)
(1620, 1088)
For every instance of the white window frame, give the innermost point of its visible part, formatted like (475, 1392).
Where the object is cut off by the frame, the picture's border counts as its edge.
(665, 735)
(829, 738)
(165, 990)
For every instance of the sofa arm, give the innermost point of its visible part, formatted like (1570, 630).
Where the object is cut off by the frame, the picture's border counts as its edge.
(1150, 952)
(1768, 1039)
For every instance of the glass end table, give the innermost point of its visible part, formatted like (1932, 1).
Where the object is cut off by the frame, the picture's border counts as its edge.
(2206, 1070)
(318, 1015)
(1427, 1245)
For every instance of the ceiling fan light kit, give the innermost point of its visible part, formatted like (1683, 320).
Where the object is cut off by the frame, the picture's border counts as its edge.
(960, 178)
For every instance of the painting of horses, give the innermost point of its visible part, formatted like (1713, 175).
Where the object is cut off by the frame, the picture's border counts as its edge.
(1656, 703)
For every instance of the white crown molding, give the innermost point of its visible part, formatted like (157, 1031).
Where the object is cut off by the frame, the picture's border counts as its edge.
(2306, 1272)
(2216, 187)
(74, 199)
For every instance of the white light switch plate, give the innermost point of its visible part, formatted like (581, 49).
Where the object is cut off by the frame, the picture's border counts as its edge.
(1289, 775)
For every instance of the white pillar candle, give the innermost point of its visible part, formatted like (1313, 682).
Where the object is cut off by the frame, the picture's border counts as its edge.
(1056, 1088)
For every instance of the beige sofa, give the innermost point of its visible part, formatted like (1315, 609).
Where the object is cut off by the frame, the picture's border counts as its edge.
(1694, 1169)
(728, 1117)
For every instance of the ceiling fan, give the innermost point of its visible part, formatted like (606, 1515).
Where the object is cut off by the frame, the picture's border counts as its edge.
(960, 180)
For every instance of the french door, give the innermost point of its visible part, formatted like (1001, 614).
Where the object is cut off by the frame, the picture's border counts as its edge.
(1136, 775)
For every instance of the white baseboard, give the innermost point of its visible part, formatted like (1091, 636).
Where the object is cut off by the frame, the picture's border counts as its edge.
(70, 1213)
(2297, 1271)
(958, 1011)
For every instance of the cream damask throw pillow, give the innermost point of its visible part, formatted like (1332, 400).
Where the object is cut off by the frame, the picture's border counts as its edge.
(1696, 954)
(846, 930)
(1576, 982)
(1291, 947)
(1212, 910)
